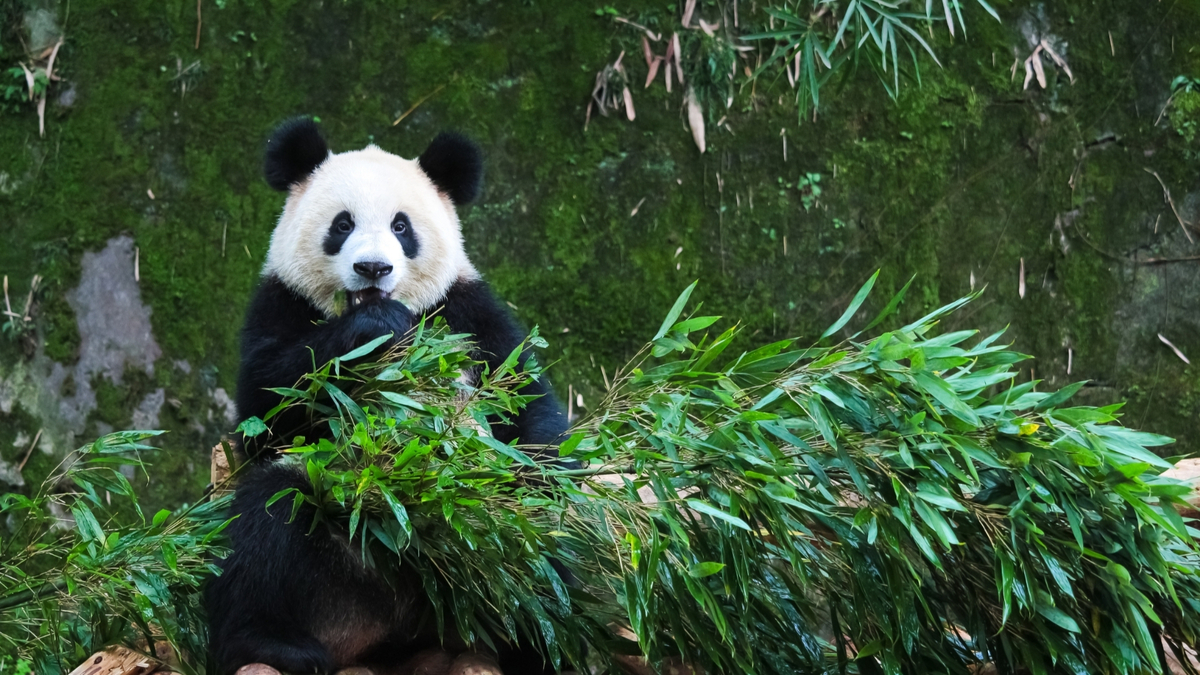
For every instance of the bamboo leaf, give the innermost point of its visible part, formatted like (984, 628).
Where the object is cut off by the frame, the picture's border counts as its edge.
(676, 309)
(704, 569)
(855, 303)
(706, 508)
(365, 349)
(942, 393)
(891, 306)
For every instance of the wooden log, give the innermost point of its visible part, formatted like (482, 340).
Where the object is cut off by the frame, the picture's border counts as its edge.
(220, 469)
(117, 661)
(1188, 470)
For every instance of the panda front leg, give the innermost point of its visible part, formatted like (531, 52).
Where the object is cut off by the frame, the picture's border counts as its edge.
(277, 354)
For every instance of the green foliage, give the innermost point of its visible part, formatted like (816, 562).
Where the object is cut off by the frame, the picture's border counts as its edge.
(814, 38)
(905, 492)
(14, 666)
(710, 68)
(14, 90)
(84, 568)
(1185, 107)
(810, 190)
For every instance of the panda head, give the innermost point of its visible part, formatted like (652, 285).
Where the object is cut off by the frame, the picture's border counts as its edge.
(367, 222)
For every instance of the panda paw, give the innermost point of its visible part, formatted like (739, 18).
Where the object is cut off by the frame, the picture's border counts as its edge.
(370, 320)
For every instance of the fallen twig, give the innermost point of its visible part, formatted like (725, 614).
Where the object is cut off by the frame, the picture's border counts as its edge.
(1171, 202)
(1163, 261)
(36, 438)
(416, 105)
(1164, 110)
(652, 35)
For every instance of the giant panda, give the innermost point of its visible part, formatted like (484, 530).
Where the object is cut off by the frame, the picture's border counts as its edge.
(384, 231)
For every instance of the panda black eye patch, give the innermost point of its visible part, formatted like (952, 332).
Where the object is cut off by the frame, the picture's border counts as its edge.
(403, 229)
(339, 231)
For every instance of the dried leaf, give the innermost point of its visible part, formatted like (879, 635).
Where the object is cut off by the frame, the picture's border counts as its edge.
(695, 117)
(1175, 349)
(53, 55)
(653, 70)
(678, 54)
(28, 80)
(646, 53)
(638, 206)
(1021, 281)
(688, 8)
(1058, 60)
(1028, 73)
(1037, 67)
(629, 104)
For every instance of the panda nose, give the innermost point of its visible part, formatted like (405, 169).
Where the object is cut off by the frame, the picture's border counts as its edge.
(372, 270)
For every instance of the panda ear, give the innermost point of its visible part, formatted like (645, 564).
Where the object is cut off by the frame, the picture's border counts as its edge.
(294, 151)
(455, 165)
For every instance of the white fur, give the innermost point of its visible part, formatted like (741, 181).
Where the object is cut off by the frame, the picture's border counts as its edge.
(373, 185)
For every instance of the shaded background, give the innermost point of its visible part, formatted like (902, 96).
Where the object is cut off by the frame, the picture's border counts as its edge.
(143, 210)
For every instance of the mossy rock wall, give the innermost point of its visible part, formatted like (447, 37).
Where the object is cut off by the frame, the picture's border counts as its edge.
(592, 233)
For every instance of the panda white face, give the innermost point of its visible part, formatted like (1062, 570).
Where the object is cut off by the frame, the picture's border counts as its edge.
(371, 224)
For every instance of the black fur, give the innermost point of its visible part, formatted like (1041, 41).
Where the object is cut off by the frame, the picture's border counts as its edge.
(285, 336)
(455, 165)
(273, 605)
(337, 235)
(403, 229)
(281, 586)
(470, 307)
(295, 150)
(282, 326)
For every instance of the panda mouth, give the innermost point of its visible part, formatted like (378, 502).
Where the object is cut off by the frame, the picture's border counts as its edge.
(363, 296)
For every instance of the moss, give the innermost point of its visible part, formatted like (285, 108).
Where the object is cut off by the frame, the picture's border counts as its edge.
(18, 431)
(115, 401)
(18, 424)
(962, 177)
